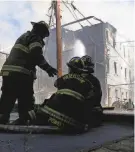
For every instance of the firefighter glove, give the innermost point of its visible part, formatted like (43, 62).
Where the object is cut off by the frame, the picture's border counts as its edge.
(51, 71)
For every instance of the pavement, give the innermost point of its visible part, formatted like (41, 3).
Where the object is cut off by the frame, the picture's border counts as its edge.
(123, 145)
(75, 143)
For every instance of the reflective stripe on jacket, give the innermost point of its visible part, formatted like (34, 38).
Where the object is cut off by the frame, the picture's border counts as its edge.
(15, 69)
(71, 93)
(25, 55)
(27, 49)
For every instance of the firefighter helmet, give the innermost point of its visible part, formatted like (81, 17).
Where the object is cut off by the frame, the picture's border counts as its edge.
(88, 62)
(43, 26)
(76, 63)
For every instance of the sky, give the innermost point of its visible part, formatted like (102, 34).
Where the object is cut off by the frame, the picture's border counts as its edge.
(15, 16)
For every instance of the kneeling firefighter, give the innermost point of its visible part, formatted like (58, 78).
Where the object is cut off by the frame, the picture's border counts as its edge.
(65, 108)
(94, 105)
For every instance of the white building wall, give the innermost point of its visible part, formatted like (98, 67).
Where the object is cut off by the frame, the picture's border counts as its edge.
(123, 58)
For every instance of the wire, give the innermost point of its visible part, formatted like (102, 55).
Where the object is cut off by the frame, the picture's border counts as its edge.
(121, 56)
(95, 44)
(89, 37)
(76, 18)
(117, 84)
(50, 21)
(125, 42)
(75, 8)
(4, 53)
(71, 12)
(123, 36)
(39, 87)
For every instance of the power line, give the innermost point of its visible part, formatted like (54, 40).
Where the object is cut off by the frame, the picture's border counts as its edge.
(121, 84)
(75, 8)
(50, 21)
(122, 35)
(125, 42)
(120, 56)
(110, 45)
(75, 17)
(70, 12)
(4, 53)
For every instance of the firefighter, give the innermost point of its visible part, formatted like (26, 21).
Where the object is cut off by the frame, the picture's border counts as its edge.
(19, 69)
(94, 104)
(65, 108)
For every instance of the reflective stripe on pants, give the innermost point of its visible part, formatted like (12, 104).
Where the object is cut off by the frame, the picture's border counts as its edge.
(61, 117)
(32, 114)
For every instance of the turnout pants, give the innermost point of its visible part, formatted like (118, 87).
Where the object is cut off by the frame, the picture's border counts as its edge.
(56, 112)
(16, 86)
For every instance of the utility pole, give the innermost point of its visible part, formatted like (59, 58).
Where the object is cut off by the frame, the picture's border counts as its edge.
(58, 37)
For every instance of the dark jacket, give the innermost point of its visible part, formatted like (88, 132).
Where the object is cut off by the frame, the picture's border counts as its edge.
(96, 88)
(25, 55)
(67, 104)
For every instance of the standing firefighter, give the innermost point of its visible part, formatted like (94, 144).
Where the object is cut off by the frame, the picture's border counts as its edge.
(19, 70)
(94, 105)
(65, 108)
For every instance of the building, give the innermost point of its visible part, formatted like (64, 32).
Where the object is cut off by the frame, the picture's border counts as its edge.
(113, 65)
(120, 73)
(113, 61)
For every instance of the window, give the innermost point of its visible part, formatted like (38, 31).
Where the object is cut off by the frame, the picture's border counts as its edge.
(126, 95)
(129, 75)
(108, 65)
(107, 35)
(108, 51)
(110, 37)
(124, 51)
(128, 54)
(122, 95)
(115, 67)
(114, 43)
(125, 72)
(116, 93)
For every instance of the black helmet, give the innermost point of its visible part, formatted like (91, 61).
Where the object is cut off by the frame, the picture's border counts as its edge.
(42, 27)
(88, 63)
(76, 64)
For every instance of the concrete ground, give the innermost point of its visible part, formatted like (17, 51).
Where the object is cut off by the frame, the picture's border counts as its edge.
(123, 145)
(74, 143)
(110, 137)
